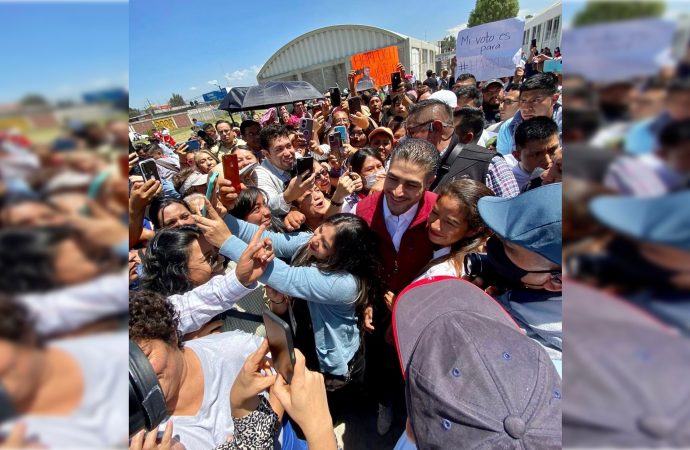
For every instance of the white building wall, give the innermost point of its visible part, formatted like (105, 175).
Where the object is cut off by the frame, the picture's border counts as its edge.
(546, 27)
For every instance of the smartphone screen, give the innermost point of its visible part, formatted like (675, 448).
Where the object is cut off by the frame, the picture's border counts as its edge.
(355, 104)
(344, 136)
(305, 164)
(192, 145)
(149, 169)
(279, 337)
(231, 171)
(335, 96)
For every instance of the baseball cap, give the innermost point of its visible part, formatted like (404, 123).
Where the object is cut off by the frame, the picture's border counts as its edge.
(661, 220)
(531, 220)
(629, 373)
(385, 130)
(471, 375)
(195, 179)
(447, 97)
(492, 81)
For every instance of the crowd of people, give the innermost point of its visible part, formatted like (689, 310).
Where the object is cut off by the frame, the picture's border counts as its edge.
(416, 183)
(64, 302)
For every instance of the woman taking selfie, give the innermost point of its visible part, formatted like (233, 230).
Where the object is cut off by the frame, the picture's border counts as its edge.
(334, 270)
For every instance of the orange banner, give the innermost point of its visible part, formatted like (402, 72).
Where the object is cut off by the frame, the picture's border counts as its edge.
(376, 67)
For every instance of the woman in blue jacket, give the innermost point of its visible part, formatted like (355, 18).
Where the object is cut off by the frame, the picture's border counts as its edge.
(335, 270)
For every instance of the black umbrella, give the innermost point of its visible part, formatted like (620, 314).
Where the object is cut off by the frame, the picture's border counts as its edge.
(233, 100)
(275, 93)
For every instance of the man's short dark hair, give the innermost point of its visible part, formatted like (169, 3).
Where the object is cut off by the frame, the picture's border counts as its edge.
(472, 120)
(535, 129)
(546, 81)
(429, 73)
(208, 126)
(419, 152)
(466, 76)
(223, 121)
(470, 92)
(270, 133)
(248, 123)
(150, 149)
(441, 110)
(674, 134)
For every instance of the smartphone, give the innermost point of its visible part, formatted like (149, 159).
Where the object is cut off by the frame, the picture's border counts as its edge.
(355, 104)
(149, 169)
(306, 126)
(193, 145)
(210, 184)
(248, 169)
(335, 96)
(279, 337)
(303, 165)
(342, 130)
(396, 81)
(231, 171)
(335, 141)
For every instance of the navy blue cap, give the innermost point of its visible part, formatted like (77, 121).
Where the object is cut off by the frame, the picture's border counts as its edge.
(531, 220)
(473, 379)
(660, 220)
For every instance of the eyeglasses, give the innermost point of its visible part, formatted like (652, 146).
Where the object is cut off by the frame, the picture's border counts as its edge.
(410, 131)
(555, 276)
(323, 174)
(509, 102)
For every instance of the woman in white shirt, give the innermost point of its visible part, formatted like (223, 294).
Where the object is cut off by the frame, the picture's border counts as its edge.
(455, 227)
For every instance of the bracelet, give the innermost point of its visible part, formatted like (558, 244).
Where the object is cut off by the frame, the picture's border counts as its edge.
(336, 204)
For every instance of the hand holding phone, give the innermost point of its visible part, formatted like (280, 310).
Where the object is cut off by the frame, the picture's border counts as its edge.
(355, 104)
(280, 342)
(193, 145)
(210, 186)
(149, 169)
(231, 171)
(335, 141)
(335, 96)
(396, 81)
(306, 126)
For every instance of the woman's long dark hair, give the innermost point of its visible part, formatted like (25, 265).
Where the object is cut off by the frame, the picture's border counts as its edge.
(358, 158)
(246, 202)
(27, 258)
(159, 205)
(355, 252)
(166, 258)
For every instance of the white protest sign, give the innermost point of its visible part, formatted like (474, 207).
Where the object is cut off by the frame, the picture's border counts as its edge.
(487, 50)
(617, 51)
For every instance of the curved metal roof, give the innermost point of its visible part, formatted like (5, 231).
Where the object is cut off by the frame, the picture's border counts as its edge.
(327, 44)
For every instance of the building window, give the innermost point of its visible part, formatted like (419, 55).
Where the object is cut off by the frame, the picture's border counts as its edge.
(539, 33)
(556, 24)
(549, 24)
(525, 37)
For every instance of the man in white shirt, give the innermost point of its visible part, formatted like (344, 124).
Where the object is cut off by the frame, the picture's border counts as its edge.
(273, 176)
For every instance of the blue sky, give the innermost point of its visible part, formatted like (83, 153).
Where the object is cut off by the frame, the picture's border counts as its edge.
(178, 45)
(63, 50)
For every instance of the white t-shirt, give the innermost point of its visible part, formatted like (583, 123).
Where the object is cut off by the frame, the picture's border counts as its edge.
(222, 356)
(445, 268)
(102, 419)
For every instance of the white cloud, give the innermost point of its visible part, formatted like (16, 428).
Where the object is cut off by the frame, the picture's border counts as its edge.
(193, 88)
(454, 31)
(242, 75)
(213, 82)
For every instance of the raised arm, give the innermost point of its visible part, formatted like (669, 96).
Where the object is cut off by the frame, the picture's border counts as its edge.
(308, 283)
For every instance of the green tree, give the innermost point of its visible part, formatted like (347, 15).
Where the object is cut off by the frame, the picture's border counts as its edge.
(33, 100)
(598, 12)
(133, 112)
(486, 11)
(448, 44)
(177, 100)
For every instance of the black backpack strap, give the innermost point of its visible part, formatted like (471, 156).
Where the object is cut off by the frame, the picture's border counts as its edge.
(446, 164)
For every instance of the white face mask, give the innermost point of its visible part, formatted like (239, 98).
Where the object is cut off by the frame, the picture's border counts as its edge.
(371, 178)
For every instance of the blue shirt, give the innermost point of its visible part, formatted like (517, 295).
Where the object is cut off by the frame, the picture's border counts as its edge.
(331, 296)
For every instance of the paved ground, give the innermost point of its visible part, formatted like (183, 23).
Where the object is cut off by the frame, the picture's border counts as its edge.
(355, 418)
